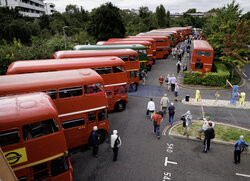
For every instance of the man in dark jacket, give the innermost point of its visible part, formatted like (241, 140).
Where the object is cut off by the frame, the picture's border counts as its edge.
(94, 140)
(209, 134)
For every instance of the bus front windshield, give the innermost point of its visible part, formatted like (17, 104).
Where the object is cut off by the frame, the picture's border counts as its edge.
(142, 52)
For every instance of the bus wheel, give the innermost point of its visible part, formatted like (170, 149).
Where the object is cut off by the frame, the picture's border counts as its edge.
(102, 136)
(120, 106)
(165, 56)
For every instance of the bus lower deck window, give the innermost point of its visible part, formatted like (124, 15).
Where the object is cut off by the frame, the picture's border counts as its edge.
(198, 65)
(9, 137)
(102, 115)
(73, 123)
(38, 129)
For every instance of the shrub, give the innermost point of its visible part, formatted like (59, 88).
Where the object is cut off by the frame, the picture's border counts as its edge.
(193, 77)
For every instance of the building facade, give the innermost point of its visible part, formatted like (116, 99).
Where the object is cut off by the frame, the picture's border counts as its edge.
(30, 8)
(49, 8)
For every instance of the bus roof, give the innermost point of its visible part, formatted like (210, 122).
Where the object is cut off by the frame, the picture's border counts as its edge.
(14, 110)
(27, 66)
(145, 43)
(154, 34)
(136, 38)
(161, 33)
(93, 53)
(156, 37)
(22, 83)
(202, 45)
(96, 47)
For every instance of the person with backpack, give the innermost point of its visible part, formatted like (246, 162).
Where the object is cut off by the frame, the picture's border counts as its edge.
(116, 143)
(157, 118)
(209, 134)
(239, 147)
(171, 112)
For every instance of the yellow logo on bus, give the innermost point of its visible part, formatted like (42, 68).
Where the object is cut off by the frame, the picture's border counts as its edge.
(16, 156)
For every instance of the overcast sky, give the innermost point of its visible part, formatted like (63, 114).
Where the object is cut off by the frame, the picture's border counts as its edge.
(171, 5)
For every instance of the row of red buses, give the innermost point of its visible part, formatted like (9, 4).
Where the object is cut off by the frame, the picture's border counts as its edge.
(32, 138)
(163, 44)
(130, 57)
(111, 70)
(144, 43)
(202, 55)
(151, 57)
(79, 97)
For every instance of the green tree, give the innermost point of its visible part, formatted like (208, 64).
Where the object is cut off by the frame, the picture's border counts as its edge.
(161, 16)
(235, 50)
(191, 10)
(168, 19)
(106, 22)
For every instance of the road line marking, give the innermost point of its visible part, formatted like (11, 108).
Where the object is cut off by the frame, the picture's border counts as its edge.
(166, 162)
(243, 175)
(244, 74)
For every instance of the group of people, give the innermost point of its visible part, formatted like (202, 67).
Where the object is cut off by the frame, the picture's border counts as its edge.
(115, 142)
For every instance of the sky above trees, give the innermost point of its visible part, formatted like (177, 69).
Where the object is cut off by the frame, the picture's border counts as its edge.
(173, 6)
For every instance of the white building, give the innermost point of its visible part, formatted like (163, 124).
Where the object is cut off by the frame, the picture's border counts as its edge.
(49, 8)
(31, 8)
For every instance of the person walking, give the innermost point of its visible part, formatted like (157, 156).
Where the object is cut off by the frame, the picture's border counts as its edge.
(157, 118)
(173, 80)
(176, 91)
(94, 140)
(184, 68)
(178, 65)
(164, 103)
(171, 112)
(150, 108)
(238, 148)
(209, 134)
(188, 123)
(143, 77)
(161, 80)
(167, 80)
(115, 144)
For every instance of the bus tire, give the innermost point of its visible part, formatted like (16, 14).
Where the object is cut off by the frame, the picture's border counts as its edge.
(165, 56)
(120, 106)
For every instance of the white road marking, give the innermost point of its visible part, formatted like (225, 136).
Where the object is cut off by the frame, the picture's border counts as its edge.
(166, 162)
(243, 175)
(244, 74)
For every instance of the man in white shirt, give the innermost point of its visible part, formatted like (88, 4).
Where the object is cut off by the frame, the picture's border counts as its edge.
(115, 144)
(151, 107)
(204, 126)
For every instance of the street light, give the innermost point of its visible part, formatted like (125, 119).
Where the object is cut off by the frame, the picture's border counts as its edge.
(64, 36)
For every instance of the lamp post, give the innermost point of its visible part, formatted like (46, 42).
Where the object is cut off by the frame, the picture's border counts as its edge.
(64, 36)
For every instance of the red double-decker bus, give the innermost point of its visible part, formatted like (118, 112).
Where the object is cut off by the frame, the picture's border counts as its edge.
(144, 43)
(163, 43)
(79, 97)
(130, 57)
(32, 138)
(202, 55)
(111, 70)
(151, 40)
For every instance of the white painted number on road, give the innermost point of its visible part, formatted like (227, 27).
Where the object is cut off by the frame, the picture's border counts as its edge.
(166, 162)
(170, 148)
(166, 176)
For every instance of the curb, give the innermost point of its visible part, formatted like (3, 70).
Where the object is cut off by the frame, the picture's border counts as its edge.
(213, 141)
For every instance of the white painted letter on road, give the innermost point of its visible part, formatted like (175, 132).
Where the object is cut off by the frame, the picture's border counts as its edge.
(166, 162)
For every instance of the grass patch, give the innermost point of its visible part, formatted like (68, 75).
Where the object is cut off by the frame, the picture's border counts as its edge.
(223, 133)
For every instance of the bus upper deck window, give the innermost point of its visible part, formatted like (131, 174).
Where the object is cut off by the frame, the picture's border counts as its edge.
(9, 137)
(73, 123)
(103, 70)
(70, 92)
(35, 130)
(109, 93)
(51, 93)
(124, 58)
(117, 69)
(93, 88)
(133, 58)
(203, 53)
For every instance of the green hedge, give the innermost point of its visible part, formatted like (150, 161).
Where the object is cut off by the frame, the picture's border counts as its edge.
(209, 79)
(192, 78)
